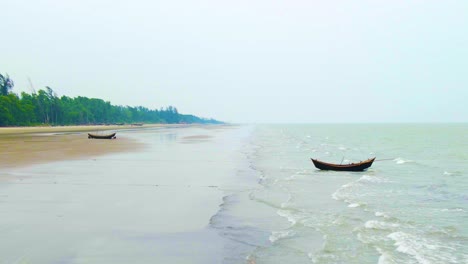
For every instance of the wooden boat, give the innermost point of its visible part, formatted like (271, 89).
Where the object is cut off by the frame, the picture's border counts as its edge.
(96, 136)
(363, 165)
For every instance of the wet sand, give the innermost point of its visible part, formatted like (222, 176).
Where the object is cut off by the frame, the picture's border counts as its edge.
(147, 205)
(23, 146)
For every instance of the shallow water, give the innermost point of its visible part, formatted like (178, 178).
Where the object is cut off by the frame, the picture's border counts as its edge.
(411, 207)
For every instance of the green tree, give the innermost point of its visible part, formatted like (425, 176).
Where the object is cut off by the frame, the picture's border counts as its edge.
(44, 107)
(6, 117)
(29, 108)
(6, 84)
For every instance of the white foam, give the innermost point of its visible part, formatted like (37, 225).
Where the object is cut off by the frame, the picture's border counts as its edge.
(372, 179)
(385, 257)
(423, 250)
(367, 238)
(374, 224)
(276, 235)
(402, 161)
(336, 196)
(409, 244)
(340, 194)
(381, 214)
(288, 216)
(353, 205)
(453, 210)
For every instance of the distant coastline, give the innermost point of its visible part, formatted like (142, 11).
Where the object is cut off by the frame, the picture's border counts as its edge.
(45, 108)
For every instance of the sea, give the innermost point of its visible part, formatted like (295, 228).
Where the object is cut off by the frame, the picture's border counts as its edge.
(411, 206)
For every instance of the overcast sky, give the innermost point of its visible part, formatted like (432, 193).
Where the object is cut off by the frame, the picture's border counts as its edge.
(248, 60)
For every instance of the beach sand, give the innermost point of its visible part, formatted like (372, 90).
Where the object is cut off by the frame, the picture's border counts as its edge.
(22, 146)
(146, 197)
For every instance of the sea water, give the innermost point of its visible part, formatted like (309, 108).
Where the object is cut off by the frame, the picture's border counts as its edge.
(411, 206)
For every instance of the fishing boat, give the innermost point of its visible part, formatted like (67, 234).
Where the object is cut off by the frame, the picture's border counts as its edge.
(360, 166)
(96, 136)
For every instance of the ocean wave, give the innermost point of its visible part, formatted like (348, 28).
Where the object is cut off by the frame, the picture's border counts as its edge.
(381, 214)
(452, 210)
(354, 205)
(385, 257)
(424, 250)
(342, 194)
(402, 161)
(453, 173)
(410, 245)
(336, 196)
(277, 235)
(372, 179)
(374, 224)
(286, 214)
(367, 238)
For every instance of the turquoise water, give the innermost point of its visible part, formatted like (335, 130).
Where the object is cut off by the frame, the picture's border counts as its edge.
(410, 207)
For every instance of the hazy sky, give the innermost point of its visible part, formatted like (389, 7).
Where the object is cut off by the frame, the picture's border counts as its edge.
(248, 60)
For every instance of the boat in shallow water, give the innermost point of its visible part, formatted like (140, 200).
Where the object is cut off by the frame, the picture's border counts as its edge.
(360, 166)
(96, 136)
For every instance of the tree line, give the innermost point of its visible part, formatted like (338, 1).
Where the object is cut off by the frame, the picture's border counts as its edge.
(44, 107)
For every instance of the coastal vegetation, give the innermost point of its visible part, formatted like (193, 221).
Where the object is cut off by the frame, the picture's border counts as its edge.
(44, 107)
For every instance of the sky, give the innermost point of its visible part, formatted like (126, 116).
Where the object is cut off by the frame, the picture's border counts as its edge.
(247, 61)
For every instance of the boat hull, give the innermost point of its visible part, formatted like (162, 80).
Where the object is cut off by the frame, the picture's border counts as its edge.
(94, 136)
(361, 166)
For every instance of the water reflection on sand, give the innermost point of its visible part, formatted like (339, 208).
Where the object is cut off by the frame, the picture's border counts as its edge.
(148, 206)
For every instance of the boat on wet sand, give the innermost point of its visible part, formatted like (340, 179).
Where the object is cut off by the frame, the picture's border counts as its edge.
(360, 166)
(97, 136)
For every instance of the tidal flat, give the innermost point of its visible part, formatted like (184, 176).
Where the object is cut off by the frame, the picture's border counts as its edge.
(144, 197)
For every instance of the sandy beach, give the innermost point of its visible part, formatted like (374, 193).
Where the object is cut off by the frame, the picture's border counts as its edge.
(145, 197)
(22, 146)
